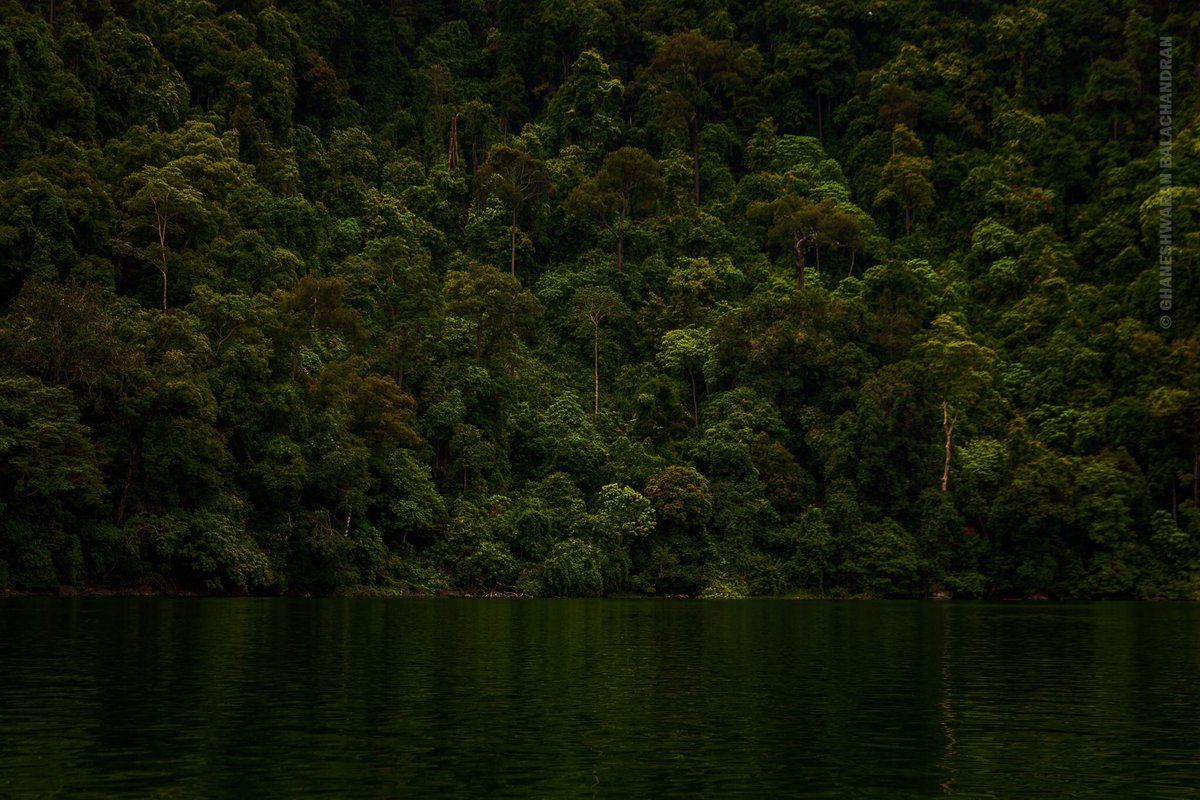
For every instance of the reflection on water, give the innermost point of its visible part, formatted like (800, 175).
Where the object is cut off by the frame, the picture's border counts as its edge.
(477, 698)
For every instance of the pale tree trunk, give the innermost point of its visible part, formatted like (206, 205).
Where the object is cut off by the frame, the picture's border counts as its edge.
(596, 365)
(162, 255)
(948, 423)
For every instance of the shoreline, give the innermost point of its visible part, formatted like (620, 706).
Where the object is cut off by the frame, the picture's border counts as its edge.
(149, 592)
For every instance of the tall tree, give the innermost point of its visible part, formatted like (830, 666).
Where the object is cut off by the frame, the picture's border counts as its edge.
(163, 198)
(593, 305)
(957, 369)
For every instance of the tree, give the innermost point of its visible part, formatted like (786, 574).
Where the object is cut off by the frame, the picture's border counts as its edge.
(798, 223)
(593, 305)
(905, 176)
(586, 107)
(163, 198)
(628, 184)
(623, 514)
(1113, 90)
(958, 370)
(687, 349)
(184, 194)
(842, 227)
(66, 335)
(1178, 403)
(47, 451)
(681, 496)
(50, 483)
(497, 305)
(515, 178)
(692, 76)
(396, 287)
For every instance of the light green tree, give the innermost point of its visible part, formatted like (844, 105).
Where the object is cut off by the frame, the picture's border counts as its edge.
(905, 176)
(958, 369)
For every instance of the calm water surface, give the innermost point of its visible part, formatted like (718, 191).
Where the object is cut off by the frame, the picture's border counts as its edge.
(480, 698)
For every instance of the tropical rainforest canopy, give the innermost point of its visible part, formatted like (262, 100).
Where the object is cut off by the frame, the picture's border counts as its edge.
(579, 297)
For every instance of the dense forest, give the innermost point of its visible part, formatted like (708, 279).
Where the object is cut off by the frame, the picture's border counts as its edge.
(582, 297)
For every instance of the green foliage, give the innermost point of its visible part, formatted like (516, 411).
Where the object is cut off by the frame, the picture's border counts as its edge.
(905, 176)
(622, 515)
(574, 568)
(911, 333)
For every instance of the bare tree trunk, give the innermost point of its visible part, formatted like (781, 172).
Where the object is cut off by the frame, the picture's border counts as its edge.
(162, 254)
(596, 365)
(948, 423)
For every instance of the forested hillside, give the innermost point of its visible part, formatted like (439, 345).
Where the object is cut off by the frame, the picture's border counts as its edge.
(841, 297)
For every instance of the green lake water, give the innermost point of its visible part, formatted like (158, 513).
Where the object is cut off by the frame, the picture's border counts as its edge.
(186, 698)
